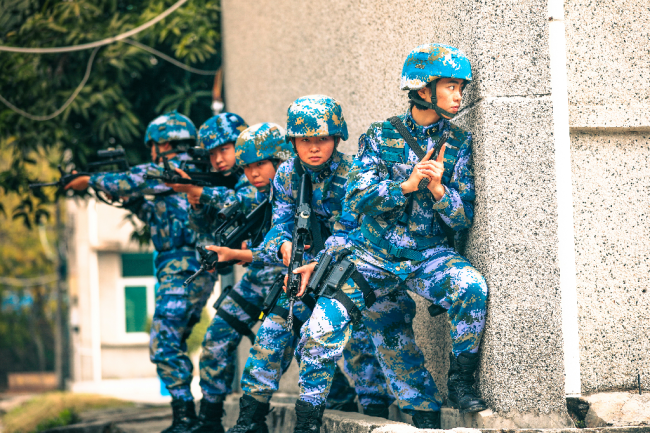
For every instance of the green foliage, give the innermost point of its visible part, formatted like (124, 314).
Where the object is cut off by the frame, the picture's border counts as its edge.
(127, 88)
(198, 332)
(66, 417)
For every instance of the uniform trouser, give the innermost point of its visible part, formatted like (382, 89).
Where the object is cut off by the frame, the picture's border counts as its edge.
(275, 346)
(446, 279)
(218, 357)
(178, 309)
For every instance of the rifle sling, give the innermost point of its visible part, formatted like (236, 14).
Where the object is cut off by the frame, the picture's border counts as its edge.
(236, 324)
(316, 226)
(406, 135)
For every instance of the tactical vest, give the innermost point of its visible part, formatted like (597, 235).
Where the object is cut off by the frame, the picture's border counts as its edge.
(394, 150)
(333, 192)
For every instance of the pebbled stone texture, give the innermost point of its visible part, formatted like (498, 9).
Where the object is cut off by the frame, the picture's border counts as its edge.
(612, 233)
(607, 59)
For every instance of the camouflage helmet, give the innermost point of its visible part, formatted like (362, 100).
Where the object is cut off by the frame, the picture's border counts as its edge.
(170, 127)
(221, 129)
(316, 116)
(428, 63)
(262, 141)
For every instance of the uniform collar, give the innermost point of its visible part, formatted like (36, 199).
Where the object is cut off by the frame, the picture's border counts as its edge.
(420, 131)
(320, 176)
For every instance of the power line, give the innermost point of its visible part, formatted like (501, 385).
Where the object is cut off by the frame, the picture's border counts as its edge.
(167, 58)
(97, 43)
(66, 104)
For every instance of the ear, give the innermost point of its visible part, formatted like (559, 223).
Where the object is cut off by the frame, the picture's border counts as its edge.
(425, 93)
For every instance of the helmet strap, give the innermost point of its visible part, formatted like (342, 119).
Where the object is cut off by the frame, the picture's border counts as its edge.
(433, 105)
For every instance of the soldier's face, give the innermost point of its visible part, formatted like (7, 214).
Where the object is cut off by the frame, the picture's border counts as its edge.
(314, 150)
(450, 94)
(260, 173)
(223, 157)
(162, 147)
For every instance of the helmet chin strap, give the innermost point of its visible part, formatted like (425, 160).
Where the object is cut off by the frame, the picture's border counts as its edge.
(433, 105)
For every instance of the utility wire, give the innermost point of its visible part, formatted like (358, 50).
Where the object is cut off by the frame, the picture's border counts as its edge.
(85, 79)
(97, 43)
(66, 104)
(167, 58)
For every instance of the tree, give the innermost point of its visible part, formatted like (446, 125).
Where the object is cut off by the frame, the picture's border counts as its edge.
(126, 89)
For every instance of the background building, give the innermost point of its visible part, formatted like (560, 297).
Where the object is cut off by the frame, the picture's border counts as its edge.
(111, 284)
(559, 112)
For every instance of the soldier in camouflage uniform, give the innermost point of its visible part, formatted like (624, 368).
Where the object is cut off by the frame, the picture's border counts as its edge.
(259, 151)
(218, 135)
(315, 126)
(402, 242)
(178, 308)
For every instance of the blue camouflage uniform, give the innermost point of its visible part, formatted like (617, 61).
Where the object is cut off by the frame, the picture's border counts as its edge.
(400, 244)
(241, 307)
(178, 308)
(275, 344)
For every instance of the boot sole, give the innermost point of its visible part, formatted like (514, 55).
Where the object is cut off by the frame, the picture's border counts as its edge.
(472, 409)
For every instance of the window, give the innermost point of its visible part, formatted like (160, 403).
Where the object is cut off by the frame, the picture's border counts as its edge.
(137, 265)
(135, 307)
(137, 287)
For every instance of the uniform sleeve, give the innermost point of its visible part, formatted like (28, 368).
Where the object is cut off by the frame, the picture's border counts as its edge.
(203, 218)
(456, 207)
(132, 182)
(282, 223)
(370, 191)
(220, 196)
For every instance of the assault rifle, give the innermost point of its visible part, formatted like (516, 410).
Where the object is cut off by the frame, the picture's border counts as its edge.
(197, 168)
(301, 237)
(108, 161)
(235, 229)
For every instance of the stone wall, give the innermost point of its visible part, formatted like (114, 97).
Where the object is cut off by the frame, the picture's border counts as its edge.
(276, 51)
(609, 96)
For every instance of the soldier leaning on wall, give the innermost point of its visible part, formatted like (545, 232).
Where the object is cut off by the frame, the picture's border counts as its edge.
(402, 242)
(178, 308)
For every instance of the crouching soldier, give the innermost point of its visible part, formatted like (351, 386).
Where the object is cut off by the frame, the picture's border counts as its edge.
(408, 198)
(259, 150)
(178, 308)
(315, 126)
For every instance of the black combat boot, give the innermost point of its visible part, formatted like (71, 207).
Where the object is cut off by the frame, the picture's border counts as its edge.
(209, 420)
(348, 406)
(252, 416)
(376, 409)
(309, 418)
(184, 416)
(461, 383)
(425, 419)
